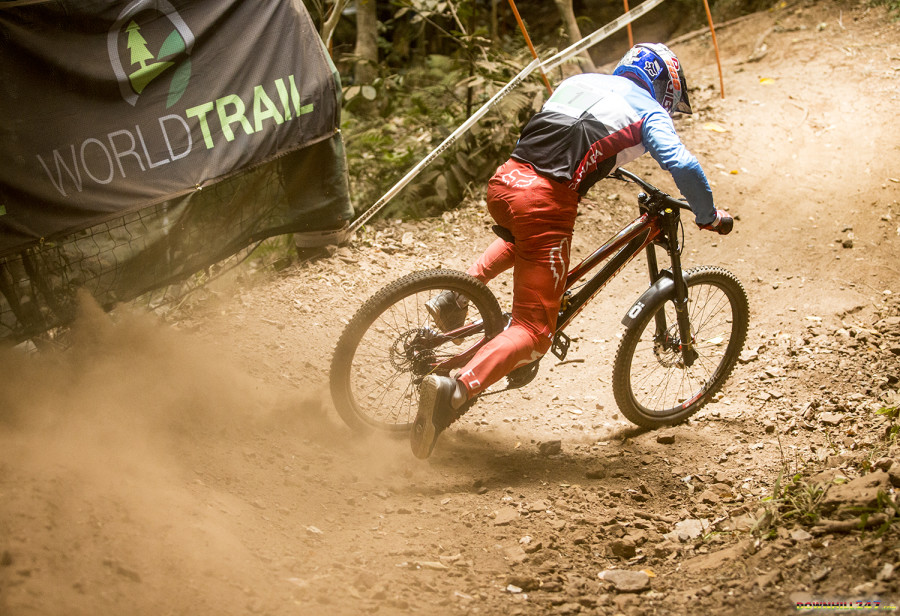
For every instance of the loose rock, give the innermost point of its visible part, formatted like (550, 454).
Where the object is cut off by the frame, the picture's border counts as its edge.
(860, 492)
(626, 581)
(505, 515)
(550, 448)
(525, 582)
(623, 548)
(665, 438)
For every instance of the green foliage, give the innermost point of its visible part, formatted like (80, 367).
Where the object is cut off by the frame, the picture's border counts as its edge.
(794, 500)
(891, 506)
(439, 68)
(391, 125)
(892, 413)
(437, 65)
(893, 6)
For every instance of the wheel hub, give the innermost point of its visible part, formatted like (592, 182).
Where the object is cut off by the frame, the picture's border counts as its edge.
(667, 350)
(410, 352)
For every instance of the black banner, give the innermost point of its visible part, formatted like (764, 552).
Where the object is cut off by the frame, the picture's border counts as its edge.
(109, 107)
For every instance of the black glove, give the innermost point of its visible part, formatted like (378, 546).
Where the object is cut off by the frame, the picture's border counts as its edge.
(723, 224)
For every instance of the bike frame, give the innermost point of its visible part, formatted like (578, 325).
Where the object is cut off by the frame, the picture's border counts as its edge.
(658, 223)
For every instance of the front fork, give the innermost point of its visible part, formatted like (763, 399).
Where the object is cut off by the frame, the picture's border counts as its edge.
(670, 226)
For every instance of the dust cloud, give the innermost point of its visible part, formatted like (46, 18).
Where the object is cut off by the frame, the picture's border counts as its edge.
(116, 454)
(128, 382)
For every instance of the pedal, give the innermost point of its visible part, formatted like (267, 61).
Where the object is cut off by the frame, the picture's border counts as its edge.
(560, 346)
(523, 375)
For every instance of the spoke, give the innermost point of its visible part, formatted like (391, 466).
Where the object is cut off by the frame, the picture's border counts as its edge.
(398, 397)
(708, 365)
(697, 316)
(390, 353)
(384, 381)
(659, 381)
(405, 395)
(384, 396)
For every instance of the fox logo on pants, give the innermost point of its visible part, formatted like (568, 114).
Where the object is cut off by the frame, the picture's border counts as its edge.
(517, 178)
(558, 256)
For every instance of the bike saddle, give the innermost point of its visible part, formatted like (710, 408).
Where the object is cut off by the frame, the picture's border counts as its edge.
(504, 234)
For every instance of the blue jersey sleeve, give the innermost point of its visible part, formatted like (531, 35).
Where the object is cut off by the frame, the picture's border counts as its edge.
(665, 147)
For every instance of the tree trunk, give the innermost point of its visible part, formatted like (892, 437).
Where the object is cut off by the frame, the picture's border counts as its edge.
(567, 13)
(331, 23)
(366, 68)
(495, 29)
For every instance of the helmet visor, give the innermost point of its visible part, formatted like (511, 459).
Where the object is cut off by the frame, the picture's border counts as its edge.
(683, 105)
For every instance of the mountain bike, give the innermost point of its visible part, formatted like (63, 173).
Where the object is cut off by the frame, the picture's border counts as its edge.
(682, 336)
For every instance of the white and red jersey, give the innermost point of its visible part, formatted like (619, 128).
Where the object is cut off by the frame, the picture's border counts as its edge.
(594, 123)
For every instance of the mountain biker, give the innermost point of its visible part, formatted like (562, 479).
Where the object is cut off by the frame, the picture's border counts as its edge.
(592, 124)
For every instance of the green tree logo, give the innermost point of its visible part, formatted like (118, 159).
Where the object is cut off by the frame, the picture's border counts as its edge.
(145, 73)
(144, 67)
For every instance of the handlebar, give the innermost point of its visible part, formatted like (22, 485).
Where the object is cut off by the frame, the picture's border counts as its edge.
(724, 222)
(653, 191)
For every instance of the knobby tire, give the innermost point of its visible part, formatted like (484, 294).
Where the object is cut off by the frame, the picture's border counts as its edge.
(377, 366)
(651, 384)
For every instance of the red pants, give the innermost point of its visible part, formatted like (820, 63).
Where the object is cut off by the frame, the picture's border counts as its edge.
(540, 213)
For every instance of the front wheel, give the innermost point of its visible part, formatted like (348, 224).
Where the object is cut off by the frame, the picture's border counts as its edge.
(393, 342)
(652, 385)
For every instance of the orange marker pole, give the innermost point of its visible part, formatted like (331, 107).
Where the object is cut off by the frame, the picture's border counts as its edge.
(712, 31)
(630, 36)
(512, 4)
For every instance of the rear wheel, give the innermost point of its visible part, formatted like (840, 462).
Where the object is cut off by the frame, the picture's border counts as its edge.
(392, 343)
(652, 385)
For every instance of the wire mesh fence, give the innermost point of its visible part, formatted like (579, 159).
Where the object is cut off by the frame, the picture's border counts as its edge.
(150, 255)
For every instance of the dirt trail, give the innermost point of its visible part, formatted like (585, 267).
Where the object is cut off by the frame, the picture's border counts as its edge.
(198, 467)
